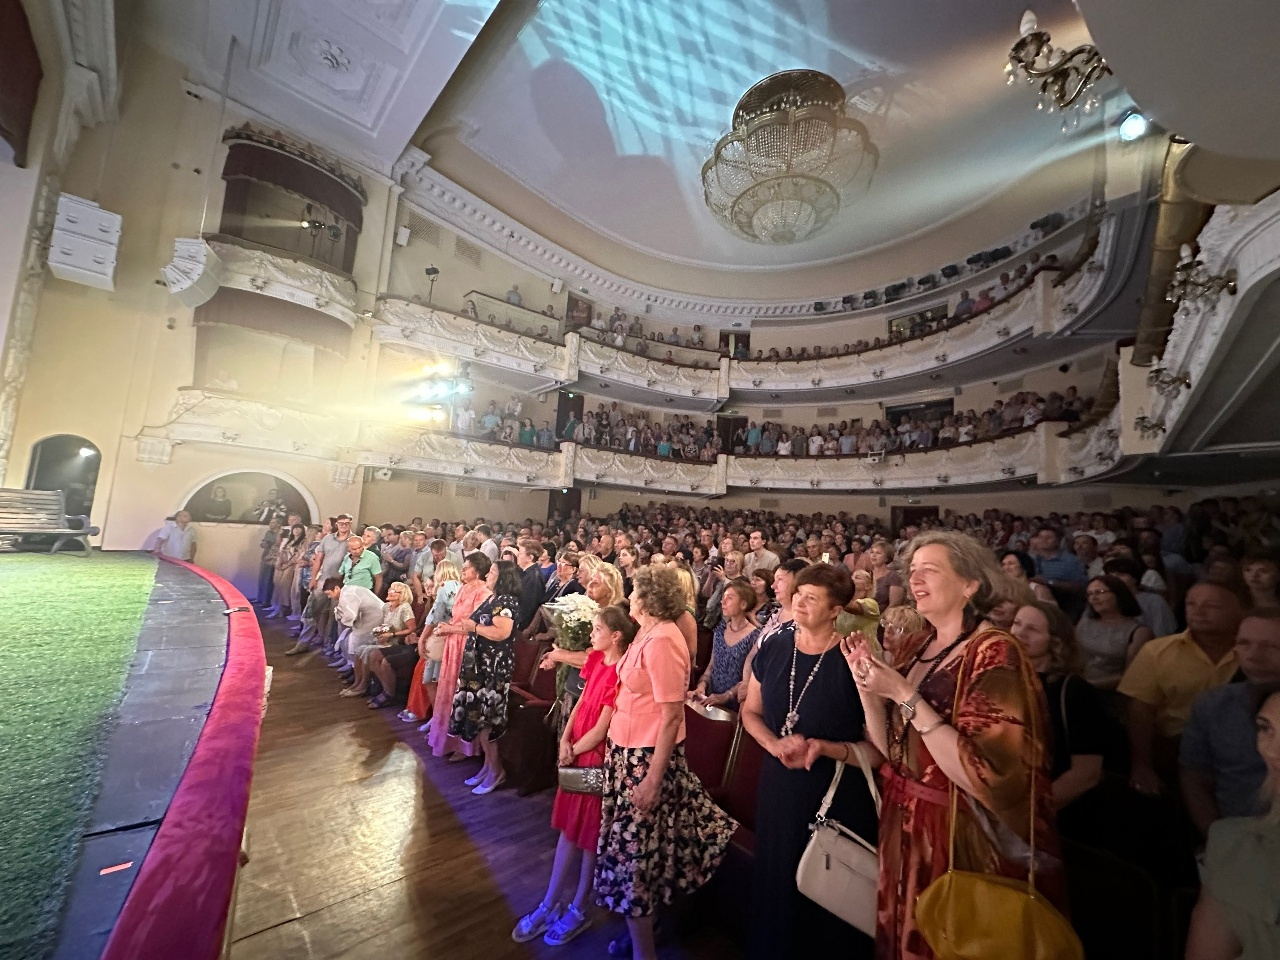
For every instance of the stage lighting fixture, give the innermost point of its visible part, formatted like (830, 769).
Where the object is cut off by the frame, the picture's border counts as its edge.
(1133, 126)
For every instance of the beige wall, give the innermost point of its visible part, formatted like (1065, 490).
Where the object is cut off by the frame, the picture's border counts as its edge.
(398, 501)
(1021, 502)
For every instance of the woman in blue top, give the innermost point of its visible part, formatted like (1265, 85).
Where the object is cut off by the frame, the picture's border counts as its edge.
(721, 684)
(664, 446)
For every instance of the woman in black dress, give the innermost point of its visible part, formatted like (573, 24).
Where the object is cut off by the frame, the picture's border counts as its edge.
(484, 680)
(804, 710)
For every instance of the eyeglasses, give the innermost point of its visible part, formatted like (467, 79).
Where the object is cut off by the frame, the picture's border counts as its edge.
(892, 627)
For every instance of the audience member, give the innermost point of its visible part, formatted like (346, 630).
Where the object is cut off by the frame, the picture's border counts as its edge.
(1110, 633)
(803, 710)
(1220, 770)
(660, 834)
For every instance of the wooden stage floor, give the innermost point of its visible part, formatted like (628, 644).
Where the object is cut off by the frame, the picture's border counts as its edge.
(363, 846)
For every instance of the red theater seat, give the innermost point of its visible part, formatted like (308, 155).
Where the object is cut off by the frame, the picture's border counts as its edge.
(708, 743)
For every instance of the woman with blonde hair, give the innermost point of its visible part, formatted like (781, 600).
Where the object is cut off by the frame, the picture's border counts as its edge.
(901, 624)
(687, 622)
(397, 626)
(471, 595)
(446, 582)
(961, 709)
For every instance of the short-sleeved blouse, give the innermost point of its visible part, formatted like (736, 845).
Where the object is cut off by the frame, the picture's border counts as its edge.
(1242, 871)
(442, 609)
(497, 605)
(396, 620)
(653, 671)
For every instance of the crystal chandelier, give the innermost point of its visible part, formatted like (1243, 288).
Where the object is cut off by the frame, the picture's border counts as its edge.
(790, 161)
(1064, 76)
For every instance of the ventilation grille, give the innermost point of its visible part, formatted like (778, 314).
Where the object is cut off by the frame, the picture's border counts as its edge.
(428, 231)
(1096, 501)
(497, 494)
(464, 492)
(772, 413)
(1016, 385)
(466, 252)
(770, 503)
(828, 411)
(433, 487)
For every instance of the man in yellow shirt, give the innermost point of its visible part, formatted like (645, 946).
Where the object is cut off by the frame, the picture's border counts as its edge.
(1167, 675)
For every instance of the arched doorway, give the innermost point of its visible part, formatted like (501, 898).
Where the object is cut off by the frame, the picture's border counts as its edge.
(68, 463)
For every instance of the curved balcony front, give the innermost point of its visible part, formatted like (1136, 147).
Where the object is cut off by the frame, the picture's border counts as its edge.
(383, 444)
(543, 365)
(248, 266)
(681, 387)
(1041, 309)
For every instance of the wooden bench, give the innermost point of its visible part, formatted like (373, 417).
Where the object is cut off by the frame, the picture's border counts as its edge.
(42, 513)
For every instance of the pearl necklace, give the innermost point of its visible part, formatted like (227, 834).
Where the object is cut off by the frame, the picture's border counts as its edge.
(793, 702)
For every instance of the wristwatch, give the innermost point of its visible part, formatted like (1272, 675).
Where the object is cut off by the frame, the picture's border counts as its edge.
(908, 707)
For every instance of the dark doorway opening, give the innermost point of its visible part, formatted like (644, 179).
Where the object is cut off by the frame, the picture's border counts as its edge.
(67, 463)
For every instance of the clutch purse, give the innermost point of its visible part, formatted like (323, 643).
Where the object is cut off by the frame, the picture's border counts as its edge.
(977, 916)
(582, 780)
(839, 870)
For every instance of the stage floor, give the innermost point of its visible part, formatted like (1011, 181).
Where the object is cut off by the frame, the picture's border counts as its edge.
(129, 659)
(363, 846)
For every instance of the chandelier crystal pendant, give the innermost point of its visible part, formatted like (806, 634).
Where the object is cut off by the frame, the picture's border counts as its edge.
(1063, 76)
(791, 160)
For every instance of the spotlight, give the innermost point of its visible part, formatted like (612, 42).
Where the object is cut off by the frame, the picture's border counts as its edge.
(1133, 127)
(87, 452)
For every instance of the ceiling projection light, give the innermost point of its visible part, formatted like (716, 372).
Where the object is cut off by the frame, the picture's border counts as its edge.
(1063, 76)
(792, 159)
(1133, 127)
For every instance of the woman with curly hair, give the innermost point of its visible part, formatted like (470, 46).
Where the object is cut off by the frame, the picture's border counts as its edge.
(660, 834)
(961, 710)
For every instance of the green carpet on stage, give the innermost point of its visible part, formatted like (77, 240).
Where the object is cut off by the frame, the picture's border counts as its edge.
(68, 628)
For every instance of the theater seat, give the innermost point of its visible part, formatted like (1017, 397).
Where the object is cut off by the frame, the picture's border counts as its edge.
(709, 734)
(737, 797)
(1116, 907)
(528, 749)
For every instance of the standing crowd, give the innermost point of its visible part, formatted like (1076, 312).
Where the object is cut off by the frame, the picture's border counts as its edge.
(1046, 692)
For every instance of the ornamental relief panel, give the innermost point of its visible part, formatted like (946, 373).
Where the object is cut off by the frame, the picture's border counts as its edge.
(213, 418)
(1091, 452)
(1246, 238)
(1002, 459)
(629, 470)
(245, 268)
(613, 364)
(401, 321)
(408, 448)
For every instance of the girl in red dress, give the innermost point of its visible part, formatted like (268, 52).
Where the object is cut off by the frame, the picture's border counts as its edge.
(577, 815)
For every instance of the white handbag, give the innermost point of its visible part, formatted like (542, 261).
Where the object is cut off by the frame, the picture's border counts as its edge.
(839, 870)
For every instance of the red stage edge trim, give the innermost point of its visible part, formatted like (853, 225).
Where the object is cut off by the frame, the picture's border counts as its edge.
(180, 900)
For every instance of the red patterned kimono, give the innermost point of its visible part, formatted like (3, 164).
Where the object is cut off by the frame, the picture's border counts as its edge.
(1000, 697)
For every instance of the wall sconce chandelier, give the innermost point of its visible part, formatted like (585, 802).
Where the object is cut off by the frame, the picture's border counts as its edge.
(1063, 76)
(792, 158)
(1193, 281)
(1147, 428)
(1165, 383)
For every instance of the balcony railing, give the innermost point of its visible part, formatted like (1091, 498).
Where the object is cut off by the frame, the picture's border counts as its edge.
(285, 276)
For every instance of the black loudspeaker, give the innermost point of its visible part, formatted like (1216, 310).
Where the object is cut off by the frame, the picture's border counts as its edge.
(819, 306)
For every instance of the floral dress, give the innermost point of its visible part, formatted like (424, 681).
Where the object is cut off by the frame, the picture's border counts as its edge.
(484, 679)
(999, 705)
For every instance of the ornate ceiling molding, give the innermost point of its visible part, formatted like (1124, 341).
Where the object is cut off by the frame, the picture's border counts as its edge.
(434, 195)
(307, 285)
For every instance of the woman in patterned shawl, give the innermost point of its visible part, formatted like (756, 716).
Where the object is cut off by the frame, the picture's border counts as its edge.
(990, 741)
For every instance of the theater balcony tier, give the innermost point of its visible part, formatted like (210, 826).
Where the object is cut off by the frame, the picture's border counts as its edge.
(348, 441)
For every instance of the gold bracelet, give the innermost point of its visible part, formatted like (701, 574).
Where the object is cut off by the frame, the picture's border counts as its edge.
(932, 727)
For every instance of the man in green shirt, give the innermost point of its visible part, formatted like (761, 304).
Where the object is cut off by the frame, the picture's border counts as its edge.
(361, 568)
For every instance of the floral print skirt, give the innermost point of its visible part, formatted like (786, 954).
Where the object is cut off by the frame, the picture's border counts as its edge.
(484, 681)
(644, 859)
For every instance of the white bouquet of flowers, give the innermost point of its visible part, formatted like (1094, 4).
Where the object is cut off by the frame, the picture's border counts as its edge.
(572, 615)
